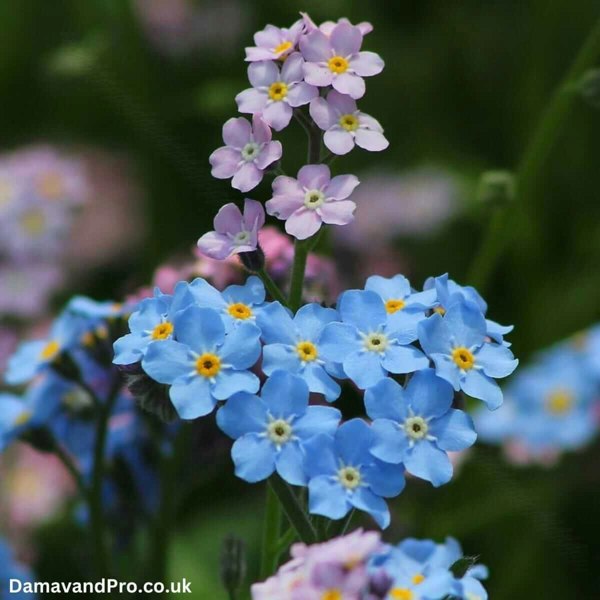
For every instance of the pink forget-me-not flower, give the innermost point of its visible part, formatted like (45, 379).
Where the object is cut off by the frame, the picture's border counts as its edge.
(274, 43)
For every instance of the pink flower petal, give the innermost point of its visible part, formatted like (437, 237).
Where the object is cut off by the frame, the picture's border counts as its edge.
(301, 93)
(224, 162)
(263, 73)
(345, 39)
(269, 37)
(374, 141)
(366, 64)
(317, 75)
(303, 223)
(337, 213)
(215, 245)
(228, 219)
(237, 132)
(292, 69)
(247, 178)
(269, 154)
(322, 113)
(341, 103)
(287, 186)
(258, 54)
(261, 131)
(366, 121)
(315, 47)
(314, 176)
(350, 84)
(339, 141)
(278, 115)
(251, 101)
(341, 186)
(254, 215)
(283, 206)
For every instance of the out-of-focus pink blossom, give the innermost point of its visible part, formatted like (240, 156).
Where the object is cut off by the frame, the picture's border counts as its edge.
(8, 344)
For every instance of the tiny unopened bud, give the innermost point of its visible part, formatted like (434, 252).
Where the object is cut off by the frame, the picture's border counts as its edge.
(233, 563)
(496, 188)
(589, 87)
(253, 261)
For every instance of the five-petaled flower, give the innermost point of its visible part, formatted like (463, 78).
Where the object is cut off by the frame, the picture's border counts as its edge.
(275, 43)
(312, 199)
(248, 151)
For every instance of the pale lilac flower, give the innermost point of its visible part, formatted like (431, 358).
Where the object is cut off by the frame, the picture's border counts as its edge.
(274, 43)
(345, 125)
(312, 199)
(328, 26)
(336, 60)
(248, 151)
(276, 93)
(234, 232)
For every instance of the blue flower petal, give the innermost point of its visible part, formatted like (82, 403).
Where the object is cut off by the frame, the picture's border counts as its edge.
(365, 499)
(251, 293)
(326, 497)
(231, 382)
(130, 348)
(243, 413)
(254, 457)
(200, 328)
(434, 335)
(317, 420)
(320, 456)
(241, 347)
(168, 360)
(428, 394)
(446, 368)
(454, 431)
(384, 479)
(150, 313)
(364, 368)
(353, 441)
(386, 400)
(337, 341)
(206, 296)
(24, 363)
(311, 319)
(467, 324)
(277, 325)
(404, 359)
(426, 461)
(437, 584)
(289, 463)
(480, 386)
(390, 443)
(365, 310)
(389, 288)
(497, 361)
(280, 356)
(320, 382)
(285, 394)
(192, 399)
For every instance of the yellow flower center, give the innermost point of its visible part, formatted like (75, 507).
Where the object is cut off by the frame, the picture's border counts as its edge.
(349, 477)
(392, 306)
(332, 595)
(376, 342)
(559, 402)
(208, 365)
(401, 594)
(283, 47)
(279, 431)
(50, 185)
(23, 418)
(418, 578)
(349, 122)
(33, 222)
(239, 311)
(278, 91)
(338, 64)
(440, 310)
(463, 358)
(307, 351)
(162, 331)
(88, 339)
(50, 350)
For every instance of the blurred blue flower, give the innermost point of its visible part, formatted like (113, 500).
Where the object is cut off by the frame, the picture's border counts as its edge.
(206, 364)
(456, 342)
(343, 474)
(366, 343)
(11, 569)
(153, 321)
(417, 426)
(293, 344)
(236, 304)
(270, 430)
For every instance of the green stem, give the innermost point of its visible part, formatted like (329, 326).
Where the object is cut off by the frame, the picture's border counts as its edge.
(68, 463)
(271, 531)
(301, 249)
(272, 287)
(293, 511)
(507, 219)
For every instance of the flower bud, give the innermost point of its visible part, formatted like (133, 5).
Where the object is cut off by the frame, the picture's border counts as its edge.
(253, 261)
(233, 564)
(496, 188)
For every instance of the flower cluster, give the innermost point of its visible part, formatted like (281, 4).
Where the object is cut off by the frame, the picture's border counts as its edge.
(553, 405)
(359, 566)
(39, 192)
(214, 348)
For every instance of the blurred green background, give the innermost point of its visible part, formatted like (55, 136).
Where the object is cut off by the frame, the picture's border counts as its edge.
(465, 85)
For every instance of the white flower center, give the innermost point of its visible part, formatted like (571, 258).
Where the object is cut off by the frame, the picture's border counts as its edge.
(250, 151)
(313, 199)
(376, 342)
(349, 477)
(242, 238)
(416, 428)
(279, 431)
